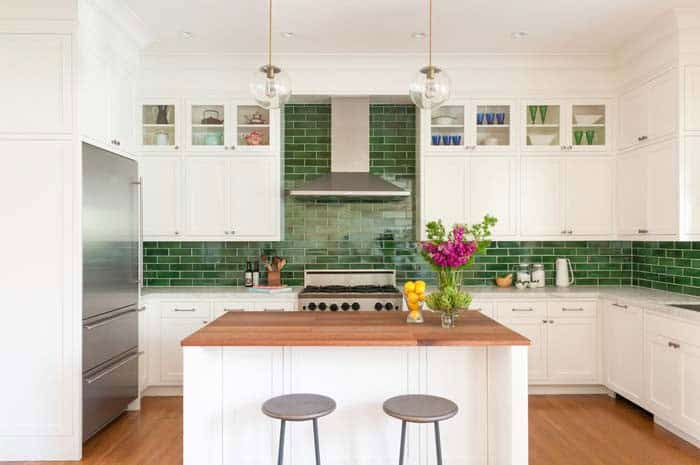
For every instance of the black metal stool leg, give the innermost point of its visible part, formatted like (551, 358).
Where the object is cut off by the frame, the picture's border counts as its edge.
(438, 447)
(403, 442)
(316, 446)
(280, 451)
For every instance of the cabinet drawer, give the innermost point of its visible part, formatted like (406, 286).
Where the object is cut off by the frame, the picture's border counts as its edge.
(572, 308)
(186, 309)
(234, 306)
(521, 309)
(484, 307)
(274, 306)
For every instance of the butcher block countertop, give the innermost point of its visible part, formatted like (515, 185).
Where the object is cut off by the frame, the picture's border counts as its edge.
(350, 329)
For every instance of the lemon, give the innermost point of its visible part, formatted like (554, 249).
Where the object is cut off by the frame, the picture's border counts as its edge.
(412, 298)
(414, 314)
(420, 287)
(421, 296)
(413, 307)
(409, 287)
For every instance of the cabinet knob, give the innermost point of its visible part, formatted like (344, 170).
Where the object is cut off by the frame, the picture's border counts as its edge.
(570, 231)
(544, 321)
(643, 231)
(177, 233)
(233, 147)
(177, 147)
(551, 322)
(226, 232)
(232, 232)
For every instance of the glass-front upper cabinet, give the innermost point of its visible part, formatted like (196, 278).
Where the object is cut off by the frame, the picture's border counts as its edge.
(470, 126)
(206, 125)
(565, 126)
(253, 128)
(160, 125)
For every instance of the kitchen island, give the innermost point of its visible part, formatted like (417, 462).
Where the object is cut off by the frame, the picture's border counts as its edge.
(360, 359)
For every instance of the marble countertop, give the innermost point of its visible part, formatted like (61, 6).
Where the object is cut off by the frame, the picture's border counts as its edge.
(216, 293)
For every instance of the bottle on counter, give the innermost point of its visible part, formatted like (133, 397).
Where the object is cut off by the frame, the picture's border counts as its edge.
(256, 274)
(538, 274)
(248, 274)
(523, 274)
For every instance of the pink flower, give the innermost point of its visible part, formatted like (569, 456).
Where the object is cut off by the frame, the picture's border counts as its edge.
(453, 253)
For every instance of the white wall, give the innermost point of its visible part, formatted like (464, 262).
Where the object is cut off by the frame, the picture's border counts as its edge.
(40, 280)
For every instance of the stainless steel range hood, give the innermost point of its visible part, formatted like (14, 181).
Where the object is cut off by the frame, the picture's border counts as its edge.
(349, 176)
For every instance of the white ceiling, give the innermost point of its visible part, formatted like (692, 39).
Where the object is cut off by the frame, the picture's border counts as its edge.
(373, 26)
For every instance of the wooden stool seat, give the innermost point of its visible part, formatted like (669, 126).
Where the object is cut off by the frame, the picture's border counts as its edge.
(420, 408)
(298, 407)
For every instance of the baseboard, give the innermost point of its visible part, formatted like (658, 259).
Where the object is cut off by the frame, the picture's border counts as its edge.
(674, 430)
(135, 405)
(558, 389)
(162, 391)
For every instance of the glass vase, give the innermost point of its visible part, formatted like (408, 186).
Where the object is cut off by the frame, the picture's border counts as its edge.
(448, 320)
(447, 277)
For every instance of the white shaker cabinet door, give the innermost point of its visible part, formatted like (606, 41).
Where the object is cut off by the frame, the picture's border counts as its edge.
(94, 99)
(206, 197)
(662, 375)
(162, 181)
(536, 331)
(624, 348)
(541, 200)
(634, 114)
(689, 401)
(444, 190)
(631, 195)
(662, 193)
(692, 181)
(589, 196)
(254, 198)
(172, 332)
(492, 188)
(663, 105)
(121, 107)
(572, 350)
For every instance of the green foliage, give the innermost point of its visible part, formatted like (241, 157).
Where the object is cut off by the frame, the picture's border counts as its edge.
(449, 299)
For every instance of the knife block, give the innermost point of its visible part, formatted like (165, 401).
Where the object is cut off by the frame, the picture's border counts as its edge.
(274, 278)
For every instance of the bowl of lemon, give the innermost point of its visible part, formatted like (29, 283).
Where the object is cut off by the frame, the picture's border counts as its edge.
(414, 293)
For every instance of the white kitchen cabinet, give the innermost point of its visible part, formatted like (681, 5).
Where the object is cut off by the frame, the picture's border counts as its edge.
(691, 189)
(692, 98)
(162, 197)
(589, 196)
(443, 190)
(143, 348)
(251, 129)
(624, 348)
(206, 197)
(542, 212)
(566, 361)
(121, 106)
(206, 125)
(254, 198)
(649, 112)
(160, 125)
(648, 191)
(535, 329)
(689, 399)
(172, 332)
(662, 375)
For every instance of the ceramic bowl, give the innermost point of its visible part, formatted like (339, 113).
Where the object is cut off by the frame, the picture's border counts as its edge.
(444, 119)
(541, 139)
(587, 119)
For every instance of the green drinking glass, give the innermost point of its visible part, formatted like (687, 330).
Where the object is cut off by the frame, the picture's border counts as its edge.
(533, 113)
(578, 137)
(589, 137)
(543, 112)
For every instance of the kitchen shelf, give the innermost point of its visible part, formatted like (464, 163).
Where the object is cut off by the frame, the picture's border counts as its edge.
(207, 125)
(158, 125)
(542, 125)
(588, 125)
(253, 125)
(487, 126)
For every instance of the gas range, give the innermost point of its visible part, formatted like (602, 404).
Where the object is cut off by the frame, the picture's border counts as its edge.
(350, 290)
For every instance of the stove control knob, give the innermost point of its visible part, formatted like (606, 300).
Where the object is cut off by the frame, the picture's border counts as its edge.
(345, 306)
(355, 306)
(378, 306)
(311, 306)
(322, 306)
(334, 307)
(389, 306)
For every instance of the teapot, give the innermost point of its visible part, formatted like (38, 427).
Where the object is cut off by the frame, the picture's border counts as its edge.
(256, 118)
(254, 138)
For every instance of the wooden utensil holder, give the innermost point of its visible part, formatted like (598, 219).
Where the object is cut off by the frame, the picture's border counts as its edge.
(274, 278)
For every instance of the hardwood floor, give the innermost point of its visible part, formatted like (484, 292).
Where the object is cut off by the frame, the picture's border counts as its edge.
(564, 430)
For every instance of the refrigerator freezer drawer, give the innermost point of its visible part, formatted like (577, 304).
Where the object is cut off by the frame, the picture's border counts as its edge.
(107, 338)
(107, 393)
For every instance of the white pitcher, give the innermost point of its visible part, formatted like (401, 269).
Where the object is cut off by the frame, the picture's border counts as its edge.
(565, 272)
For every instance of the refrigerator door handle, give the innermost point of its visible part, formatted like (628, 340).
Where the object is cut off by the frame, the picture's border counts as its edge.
(92, 326)
(109, 370)
(140, 245)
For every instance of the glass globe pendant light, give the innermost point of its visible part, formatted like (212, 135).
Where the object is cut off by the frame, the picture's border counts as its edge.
(431, 86)
(270, 86)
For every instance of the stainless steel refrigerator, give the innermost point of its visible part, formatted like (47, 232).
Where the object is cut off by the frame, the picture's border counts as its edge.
(111, 241)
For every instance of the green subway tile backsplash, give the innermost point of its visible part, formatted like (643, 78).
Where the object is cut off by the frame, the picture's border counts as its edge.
(356, 234)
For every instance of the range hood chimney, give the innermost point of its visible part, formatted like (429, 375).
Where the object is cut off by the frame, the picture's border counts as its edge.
(349, 176)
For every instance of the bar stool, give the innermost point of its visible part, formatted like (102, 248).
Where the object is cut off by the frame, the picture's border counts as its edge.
(420, 409)
(298, 407)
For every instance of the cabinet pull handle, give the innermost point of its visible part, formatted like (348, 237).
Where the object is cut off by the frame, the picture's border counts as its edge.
(101, 375)
(564, 309)
(544, 321)
(551, 322)
(523, 309)
(620, 306)
(674, 345)
(234, 310)
(274, 310)
(643, 231)
(185, 310)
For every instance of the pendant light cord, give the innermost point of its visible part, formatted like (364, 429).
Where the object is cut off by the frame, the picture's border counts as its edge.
(430, 36)
(270, 72)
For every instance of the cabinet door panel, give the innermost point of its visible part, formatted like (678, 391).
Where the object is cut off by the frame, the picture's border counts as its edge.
(624, 346)
(663, 105)
(631, 192)
(662, 193)
(690, 386)
(254, 197)
(692, 98)
(121, 106)
(172, 331)
(692, 182)
(634, 113)
(94, 98)
(541, 212)
(662, 375)
(444, 192)
(206, 197)
(572, 350)
(536, 331)
(589, 196)
(492, 184)
(161, 196)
